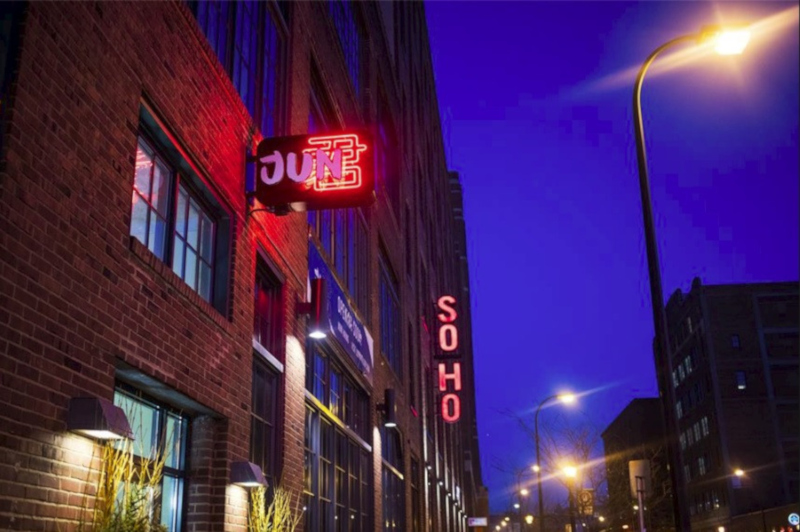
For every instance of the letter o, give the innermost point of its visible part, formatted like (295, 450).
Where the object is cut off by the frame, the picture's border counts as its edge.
(448, 337)
(451, 408)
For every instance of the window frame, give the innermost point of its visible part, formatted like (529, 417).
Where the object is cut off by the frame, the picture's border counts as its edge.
(183, 173)
(390, 316)
(163, 412)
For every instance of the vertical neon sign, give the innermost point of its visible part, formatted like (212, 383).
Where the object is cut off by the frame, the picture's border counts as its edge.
(449, 371)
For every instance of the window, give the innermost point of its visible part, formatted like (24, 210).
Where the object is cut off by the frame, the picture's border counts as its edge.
(681, 373)
(11, 15)
(704, 425)
(675, 378)
(701, 465)
(735, 341)
(159, 431)
(263, 419)
(683, 441)
(178, 219)
(341, 395)
(249, 41)
(392, 480)
(690, 437)
(390, 318)
(687, 473)
(697, 432)
(741, 380)
(337, 473)
(268, 310)
(679, 409)
(344, 21)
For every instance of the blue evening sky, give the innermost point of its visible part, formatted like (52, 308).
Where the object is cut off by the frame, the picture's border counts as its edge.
(535, 101)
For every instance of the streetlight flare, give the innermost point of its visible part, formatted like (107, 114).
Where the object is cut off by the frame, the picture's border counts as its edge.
(523, 491)
(731, 42)
(567, 398)
(739, 473)
(535, 468)
(571, 471)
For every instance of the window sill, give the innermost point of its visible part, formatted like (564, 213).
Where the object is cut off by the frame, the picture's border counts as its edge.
(166, 273)
(267, 356)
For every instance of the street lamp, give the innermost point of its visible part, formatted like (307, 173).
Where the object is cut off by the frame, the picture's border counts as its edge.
(566, 398)
(571, 472)
(726, 42)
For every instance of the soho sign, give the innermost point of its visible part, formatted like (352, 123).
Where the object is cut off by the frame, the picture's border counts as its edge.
(311, 172)
(449, 370)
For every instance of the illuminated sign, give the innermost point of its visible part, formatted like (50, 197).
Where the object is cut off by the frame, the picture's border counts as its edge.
(449, 371)
(310, 172)
(477, 521)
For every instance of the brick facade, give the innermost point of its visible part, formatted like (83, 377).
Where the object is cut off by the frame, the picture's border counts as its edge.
(85, 305)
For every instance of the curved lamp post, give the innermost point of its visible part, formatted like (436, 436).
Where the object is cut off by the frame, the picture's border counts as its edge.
(566, 398)
(726, 42)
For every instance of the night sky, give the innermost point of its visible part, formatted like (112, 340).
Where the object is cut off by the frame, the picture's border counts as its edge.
(535, 101)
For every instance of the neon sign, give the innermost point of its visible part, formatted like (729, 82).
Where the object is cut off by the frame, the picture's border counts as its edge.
(309, 172)
(449, 371)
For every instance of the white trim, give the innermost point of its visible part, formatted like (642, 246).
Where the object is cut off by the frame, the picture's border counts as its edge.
(261, 350)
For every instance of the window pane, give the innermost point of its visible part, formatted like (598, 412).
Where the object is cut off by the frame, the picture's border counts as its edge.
(193, 229)
(190, 275)
(156, 241)
(180, 215)
(142, 418)
(161, 187)
(177, 259)
(144, 166)
(139, 218)
(173, 442)
(207, 238)
(171, 502)
(204, 288)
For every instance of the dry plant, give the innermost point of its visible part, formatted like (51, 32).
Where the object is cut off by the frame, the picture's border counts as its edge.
(127, 491)
(283, 513)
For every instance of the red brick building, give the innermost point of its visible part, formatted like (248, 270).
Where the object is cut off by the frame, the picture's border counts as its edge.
(134, 270)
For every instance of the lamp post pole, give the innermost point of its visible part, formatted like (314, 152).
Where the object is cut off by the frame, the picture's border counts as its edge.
(662, 354)
(538, 461)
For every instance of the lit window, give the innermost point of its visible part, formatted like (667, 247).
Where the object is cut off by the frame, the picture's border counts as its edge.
(697, 432)
(701, 465)
(681, 373)
(393, 491)
(704, 425)
(675, 378)
(690, 436)
(679, 409)
(175, 216)
(741, 380)
(159, 433)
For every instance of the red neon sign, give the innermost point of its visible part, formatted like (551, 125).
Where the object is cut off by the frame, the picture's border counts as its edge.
(309, 172)
(449, 381)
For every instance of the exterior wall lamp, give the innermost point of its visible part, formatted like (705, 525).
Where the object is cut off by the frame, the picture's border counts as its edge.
(247, 475)
(389, 408)
(314, 309)
(97, 418)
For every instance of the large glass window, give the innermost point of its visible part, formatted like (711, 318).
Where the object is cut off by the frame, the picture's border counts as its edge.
(392, 480)
(344, 21)
(249, 41)
(175, 221)
(159, 431)
(337, 488)
(263, 420)
(268, 311)
(340, 394)
(390, 327)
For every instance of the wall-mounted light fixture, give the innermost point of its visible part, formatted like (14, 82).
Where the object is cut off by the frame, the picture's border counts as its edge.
(389, 408)
(313, 309)
(97, 418)
(247, 475)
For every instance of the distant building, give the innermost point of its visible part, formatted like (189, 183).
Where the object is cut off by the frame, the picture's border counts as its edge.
(637, 433)
(734, 380)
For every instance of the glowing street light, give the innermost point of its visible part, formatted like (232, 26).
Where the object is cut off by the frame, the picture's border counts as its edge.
(570, 471)
(529, 519)
(566, 398)
(523, 492)
(727, 41)
(516, 506)
(739, 473)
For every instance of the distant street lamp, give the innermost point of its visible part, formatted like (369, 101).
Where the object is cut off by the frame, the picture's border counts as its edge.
(567, 399)
(726, 42)
(571, 472)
